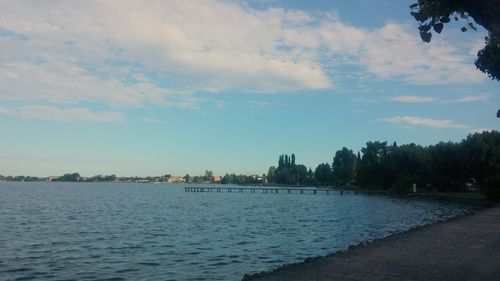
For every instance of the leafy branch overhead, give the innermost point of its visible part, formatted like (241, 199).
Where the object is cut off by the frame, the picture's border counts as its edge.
(434, 14)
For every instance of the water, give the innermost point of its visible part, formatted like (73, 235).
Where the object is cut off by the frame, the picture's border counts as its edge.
(78, 231)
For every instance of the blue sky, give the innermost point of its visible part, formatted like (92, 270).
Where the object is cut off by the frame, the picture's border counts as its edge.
(155, 87)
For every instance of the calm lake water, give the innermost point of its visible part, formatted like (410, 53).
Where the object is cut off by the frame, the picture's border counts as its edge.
(78, 231)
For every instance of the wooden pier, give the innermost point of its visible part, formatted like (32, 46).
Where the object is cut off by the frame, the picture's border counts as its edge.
(275, 190)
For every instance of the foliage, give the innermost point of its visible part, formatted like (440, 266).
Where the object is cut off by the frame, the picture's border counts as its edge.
(240, 179)
(488, 59)
(447, 166)
(482, 156)
(475, 161)
(433, 14)
(69, 177)
(370, 166)
(101, 178)
(323, 174)
(19, 178)
(343, 166)
(289, 172)
(209, 175)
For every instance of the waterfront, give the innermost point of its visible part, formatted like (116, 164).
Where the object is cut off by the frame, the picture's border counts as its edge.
(75, 231)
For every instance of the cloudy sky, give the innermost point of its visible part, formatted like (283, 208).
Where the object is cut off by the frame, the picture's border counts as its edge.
(155, 87)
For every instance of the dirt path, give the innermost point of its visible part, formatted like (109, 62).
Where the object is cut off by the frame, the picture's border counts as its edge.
(466, 248)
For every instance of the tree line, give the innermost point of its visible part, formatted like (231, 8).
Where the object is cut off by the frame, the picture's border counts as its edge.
(446, 166)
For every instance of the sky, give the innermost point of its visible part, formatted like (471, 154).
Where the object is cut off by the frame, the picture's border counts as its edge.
(138, 88)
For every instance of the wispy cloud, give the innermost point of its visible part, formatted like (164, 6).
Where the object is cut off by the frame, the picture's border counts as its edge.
(43, 112)
(259, 103)
(365, 100)
(425, 99)
(152, 121)
(393, 52)
(7, 111)
(412, 99)
(475, 98)
(426, 122)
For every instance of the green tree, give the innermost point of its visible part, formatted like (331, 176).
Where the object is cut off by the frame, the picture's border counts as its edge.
(310, 177)
(209, 175)
(323, 174)
(271, 174)
(482, 155)
(370, 166)
(403, 166)
(488, 59)
(343, 166)
(69, 177)
(302, 178)
(447, 162)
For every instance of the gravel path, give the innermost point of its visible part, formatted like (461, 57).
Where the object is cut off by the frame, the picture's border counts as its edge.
(467, 248)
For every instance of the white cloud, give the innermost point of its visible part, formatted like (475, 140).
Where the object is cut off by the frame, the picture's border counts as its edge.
(394, 52)
(43, 112)
(426, 122)
(477, 45)
(211, 44)
(63, 82)
(412, 99)
(118, 48)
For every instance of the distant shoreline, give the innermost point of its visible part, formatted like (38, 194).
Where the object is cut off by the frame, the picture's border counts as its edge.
(469, 197)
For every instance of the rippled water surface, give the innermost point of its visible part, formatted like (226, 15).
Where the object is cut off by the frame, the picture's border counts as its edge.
(77, 231)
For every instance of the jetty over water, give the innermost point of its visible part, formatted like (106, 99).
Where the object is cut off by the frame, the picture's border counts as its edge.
(269, 190)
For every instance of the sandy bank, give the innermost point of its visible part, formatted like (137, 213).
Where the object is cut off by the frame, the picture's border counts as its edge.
(467, 248)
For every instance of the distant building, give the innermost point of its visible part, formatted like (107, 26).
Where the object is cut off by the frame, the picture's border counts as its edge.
(217, 179)
(259, 179)
(175, 179)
